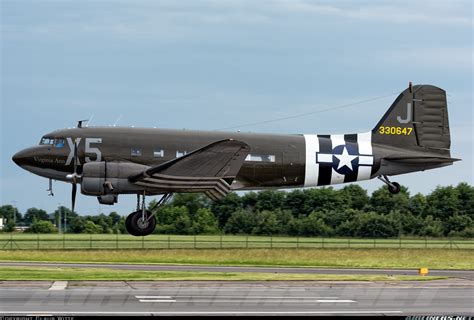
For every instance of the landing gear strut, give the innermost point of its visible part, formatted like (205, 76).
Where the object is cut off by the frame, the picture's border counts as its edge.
(393, 187)
(142, 222)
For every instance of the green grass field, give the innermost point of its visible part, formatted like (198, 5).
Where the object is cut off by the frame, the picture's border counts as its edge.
(27, 273)
(110, 241)
(338, 258)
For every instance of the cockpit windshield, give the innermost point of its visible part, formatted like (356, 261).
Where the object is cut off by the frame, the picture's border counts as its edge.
(46, 141)
(57, 142)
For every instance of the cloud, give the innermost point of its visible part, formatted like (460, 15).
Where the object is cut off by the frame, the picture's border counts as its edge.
(436, 12)
(458, 58)
(174, 19)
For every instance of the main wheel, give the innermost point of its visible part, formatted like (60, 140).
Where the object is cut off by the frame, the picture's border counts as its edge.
(394, 188)
(128, 227)
(137, 227)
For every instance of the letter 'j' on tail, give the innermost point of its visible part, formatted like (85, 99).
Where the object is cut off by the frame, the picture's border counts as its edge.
(413, 135)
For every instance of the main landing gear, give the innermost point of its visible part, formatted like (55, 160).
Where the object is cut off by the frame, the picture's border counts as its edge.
(393, 187)
(142, 222)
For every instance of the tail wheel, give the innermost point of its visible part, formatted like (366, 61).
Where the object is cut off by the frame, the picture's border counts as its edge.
(137, 226)
(394, 188)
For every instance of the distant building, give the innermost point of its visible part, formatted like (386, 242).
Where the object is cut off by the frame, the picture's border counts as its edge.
(3, 222)
(21, 228)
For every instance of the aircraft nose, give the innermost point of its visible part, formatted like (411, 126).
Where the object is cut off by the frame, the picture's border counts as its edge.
(21, 157)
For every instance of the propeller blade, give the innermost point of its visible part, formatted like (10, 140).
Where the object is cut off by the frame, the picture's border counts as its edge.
(75, 157)
(73, 196)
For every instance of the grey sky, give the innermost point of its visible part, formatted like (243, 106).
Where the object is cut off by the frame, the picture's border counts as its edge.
(215, 64)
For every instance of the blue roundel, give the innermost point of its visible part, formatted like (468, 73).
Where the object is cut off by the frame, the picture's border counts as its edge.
(350, 153)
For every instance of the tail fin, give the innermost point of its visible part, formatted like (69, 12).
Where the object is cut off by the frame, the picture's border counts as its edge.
(417, 119)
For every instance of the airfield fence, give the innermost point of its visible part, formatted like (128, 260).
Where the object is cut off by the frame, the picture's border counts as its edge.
(114, 242)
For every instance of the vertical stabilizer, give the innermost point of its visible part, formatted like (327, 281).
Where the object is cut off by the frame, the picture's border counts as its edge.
(417, 119)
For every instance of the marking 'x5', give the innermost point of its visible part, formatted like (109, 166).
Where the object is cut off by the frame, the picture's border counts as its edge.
(88, 149)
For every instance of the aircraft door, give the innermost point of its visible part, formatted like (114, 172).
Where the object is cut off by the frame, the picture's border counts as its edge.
(290, 170)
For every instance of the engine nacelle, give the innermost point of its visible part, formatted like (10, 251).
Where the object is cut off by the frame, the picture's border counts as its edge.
(109, 178)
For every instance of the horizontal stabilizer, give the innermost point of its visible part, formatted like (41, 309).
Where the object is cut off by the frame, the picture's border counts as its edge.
(421, 159)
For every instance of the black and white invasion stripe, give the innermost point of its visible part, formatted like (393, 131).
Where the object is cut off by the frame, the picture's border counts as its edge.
(341, 158)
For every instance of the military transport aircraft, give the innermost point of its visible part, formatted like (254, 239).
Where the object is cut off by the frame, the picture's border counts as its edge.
(413, 135)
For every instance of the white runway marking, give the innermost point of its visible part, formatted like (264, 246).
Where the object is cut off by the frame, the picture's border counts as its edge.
(246, 301)
(239, 299)
(58, 285)
(221, 297)
(141, 300)
(154, 299)
(332, 301)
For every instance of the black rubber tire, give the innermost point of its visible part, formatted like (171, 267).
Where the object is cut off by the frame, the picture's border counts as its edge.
(394, 188)
(128, 227)
(135, 228)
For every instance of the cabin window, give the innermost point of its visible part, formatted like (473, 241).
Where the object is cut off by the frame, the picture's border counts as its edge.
(59, 142)
(158, 153)
(47, 141)
(135, 152)
(260, 157)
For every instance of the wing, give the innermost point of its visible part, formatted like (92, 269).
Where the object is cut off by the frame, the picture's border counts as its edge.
(210, 169)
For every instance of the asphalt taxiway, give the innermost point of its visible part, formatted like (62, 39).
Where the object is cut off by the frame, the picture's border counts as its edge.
(236, 298)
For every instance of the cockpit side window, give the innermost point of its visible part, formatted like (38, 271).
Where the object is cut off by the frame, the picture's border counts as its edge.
(59, 142)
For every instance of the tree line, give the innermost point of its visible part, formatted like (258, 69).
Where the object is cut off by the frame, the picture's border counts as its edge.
(347, 212)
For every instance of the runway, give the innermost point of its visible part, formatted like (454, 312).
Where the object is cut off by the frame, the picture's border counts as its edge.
(443, 297)
(463, 274)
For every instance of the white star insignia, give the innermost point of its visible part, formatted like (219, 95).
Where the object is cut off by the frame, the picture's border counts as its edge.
(345, 159)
